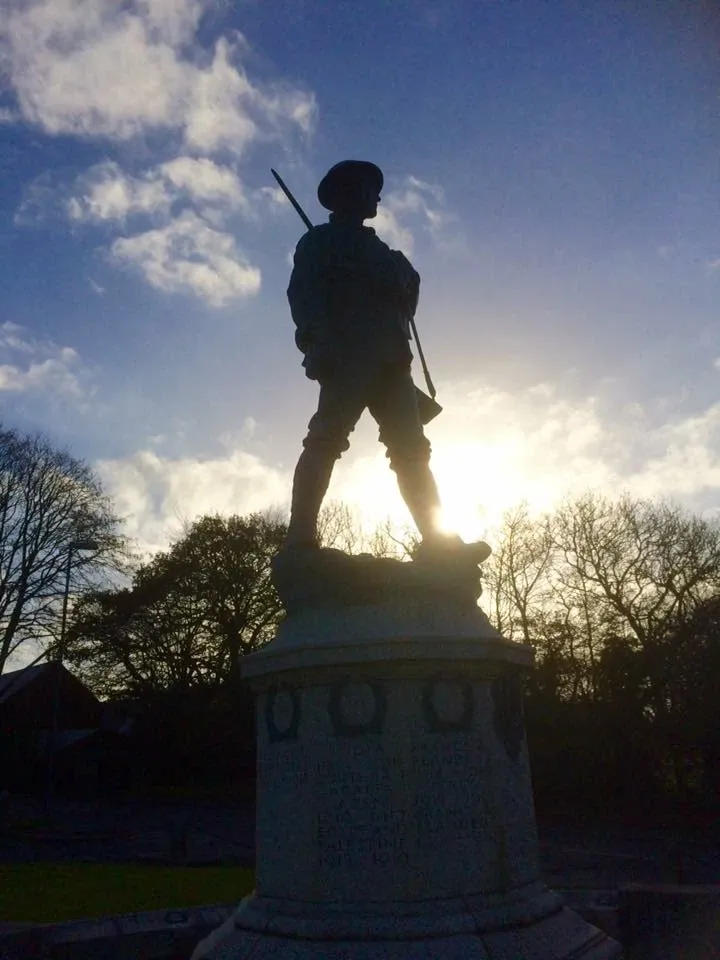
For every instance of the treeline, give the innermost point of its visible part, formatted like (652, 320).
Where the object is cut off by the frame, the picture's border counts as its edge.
(170, 648)
(58, 530)
(621, 600)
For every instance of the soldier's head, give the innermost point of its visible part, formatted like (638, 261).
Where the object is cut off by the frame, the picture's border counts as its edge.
(352, 189)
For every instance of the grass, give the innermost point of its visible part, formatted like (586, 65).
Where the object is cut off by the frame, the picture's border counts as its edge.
(54, 892)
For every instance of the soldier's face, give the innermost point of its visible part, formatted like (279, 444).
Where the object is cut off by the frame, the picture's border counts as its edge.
(362, 201)
(370, 201)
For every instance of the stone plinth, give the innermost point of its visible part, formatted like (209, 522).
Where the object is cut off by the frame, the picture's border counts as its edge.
(394, 805)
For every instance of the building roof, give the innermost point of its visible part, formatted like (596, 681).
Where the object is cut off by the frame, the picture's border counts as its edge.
(16, 680)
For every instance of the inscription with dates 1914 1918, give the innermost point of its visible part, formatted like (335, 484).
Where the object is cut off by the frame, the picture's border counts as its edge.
(375, 814)
(369, 805)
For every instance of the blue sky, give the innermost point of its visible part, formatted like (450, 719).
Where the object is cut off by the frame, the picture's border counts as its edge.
(551, 169)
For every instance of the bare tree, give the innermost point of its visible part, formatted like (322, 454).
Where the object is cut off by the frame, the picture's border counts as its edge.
(49, 501)
(523, 604)
(645, 563)
(620, 600)
(393, 542)
(517, 574)
(339, 527)
(599, 573)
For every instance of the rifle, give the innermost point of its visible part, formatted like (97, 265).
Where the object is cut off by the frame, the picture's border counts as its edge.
(428, 406)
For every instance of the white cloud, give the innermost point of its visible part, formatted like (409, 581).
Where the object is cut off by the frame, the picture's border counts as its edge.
(205, 181)
(106, 193)
(687, 463)
(275, 197)
(494, 449)
(99, 68)
(414, 206)
(28, 365)
(225, 110)
(213, 119)
(185, 252)
(419, 197)
(103, 69)
(188, 255)
(388, 227)
(158, 494)
(91, 69)
(42, 199)
(174, 21)
(7, 116)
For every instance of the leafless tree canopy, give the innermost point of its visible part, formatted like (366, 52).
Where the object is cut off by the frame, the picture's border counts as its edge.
(340, 528)
(616, 596)
(597, 573)
(48, 501)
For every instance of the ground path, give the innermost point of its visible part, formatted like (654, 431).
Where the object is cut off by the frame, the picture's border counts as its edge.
(589, 856)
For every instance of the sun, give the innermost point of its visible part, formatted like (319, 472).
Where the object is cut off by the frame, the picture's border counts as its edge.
(477, 481)
(476, 487)
(491, 453)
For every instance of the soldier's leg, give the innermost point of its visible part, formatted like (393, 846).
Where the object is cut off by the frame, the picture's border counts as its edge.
(339, 408)
(393, 404)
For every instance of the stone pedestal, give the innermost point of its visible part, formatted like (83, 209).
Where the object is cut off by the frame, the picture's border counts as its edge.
(394, 805)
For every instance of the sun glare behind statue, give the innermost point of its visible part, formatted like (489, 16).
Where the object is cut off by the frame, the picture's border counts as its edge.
(491, 453)
(476, 488)
(478, 483)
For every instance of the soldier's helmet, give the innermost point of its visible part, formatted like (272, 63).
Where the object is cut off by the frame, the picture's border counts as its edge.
(345, 177)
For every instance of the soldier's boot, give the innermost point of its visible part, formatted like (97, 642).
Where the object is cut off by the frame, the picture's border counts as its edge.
(310, 484)
(420, 493)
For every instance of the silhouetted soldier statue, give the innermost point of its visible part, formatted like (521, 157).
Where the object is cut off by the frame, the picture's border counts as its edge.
(351, 298)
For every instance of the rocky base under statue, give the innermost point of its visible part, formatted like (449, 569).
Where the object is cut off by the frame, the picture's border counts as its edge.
(394, 805)
(324, 579)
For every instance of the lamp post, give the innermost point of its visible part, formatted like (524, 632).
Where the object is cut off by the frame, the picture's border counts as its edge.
(75, 546)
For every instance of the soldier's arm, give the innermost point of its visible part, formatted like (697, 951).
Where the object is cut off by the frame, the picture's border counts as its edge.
(395, 276)
(409, 280)
(308, 291)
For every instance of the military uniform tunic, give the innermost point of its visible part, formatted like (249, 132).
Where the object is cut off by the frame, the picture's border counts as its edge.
(351, 298)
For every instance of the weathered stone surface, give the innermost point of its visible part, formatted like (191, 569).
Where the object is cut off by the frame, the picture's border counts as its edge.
(317, 647)
(394, 805)
(370, 778)
(560, 935)
(327, 578)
